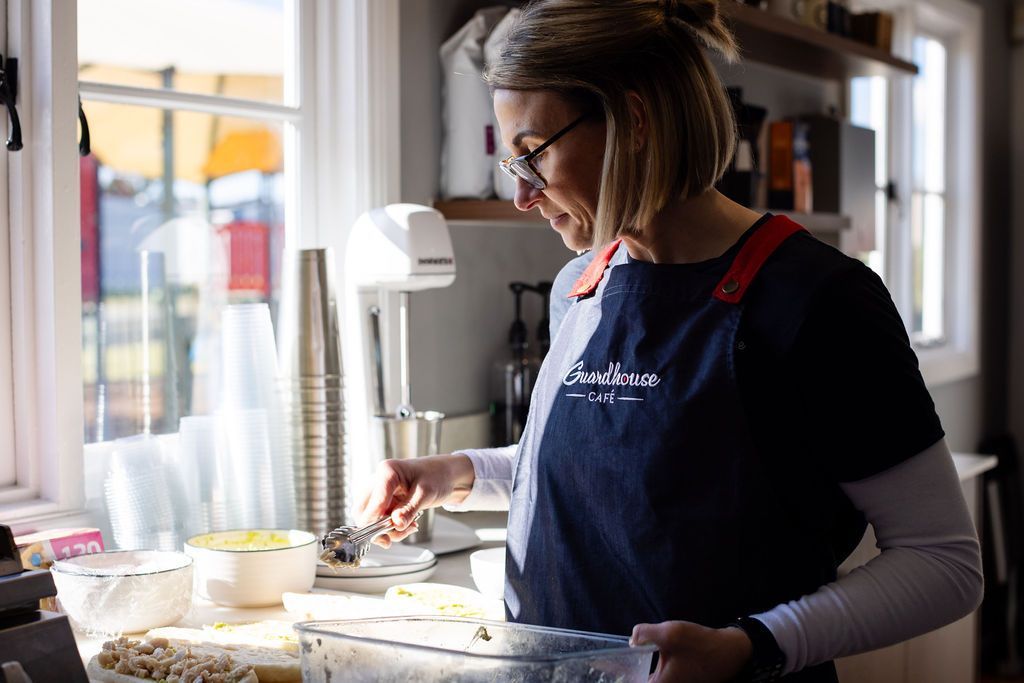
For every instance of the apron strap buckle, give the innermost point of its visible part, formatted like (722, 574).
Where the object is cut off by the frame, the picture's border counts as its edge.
(752, 255)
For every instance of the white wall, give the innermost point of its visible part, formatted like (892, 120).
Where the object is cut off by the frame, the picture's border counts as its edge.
(978, 407)
(1016, 318)
(458, 333)
(782, 92)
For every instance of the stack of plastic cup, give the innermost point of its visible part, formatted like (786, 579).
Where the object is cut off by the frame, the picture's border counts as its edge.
(141, 332)
(258, 467)
(309, 356)
(199, 457)
(140, 490)
(251, 500)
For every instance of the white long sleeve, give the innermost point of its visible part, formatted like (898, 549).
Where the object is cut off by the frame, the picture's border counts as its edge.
(927, 575)
(492, 486)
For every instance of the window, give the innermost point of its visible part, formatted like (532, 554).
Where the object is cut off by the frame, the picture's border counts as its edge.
(183, 204)
(927, 208)
(8, 465)
(928, 192)
(207, 160)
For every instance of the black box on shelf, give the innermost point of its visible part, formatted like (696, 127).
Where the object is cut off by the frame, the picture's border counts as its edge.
(843, 158)
(873, 28)
(741, 181)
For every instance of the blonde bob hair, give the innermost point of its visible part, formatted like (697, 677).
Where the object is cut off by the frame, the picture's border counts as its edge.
(598, 52)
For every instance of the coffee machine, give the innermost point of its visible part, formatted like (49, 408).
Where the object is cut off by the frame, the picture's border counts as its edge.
(391, 251)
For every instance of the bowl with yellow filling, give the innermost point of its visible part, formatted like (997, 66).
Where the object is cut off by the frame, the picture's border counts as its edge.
(252, 567)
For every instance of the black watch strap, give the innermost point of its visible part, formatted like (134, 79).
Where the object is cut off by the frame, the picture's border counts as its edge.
(766, 658)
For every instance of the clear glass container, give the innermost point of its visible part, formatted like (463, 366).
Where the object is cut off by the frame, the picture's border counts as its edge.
(457, 649)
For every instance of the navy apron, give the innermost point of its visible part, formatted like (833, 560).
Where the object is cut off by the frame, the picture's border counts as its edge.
(646, 499)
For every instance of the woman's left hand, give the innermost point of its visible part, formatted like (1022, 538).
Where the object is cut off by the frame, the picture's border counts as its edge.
(690, 653)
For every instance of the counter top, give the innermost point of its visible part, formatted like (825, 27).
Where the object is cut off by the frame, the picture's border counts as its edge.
(970, 465)
(451, 569)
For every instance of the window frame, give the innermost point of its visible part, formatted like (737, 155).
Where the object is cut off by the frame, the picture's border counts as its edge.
(918, 189)
(959, 25)
(349, 130)
(43, 200)
(8, 462)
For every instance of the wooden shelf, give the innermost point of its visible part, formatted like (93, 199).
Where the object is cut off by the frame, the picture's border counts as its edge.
(499, 211)
(817, 223)
(487, 211)
(771, 39)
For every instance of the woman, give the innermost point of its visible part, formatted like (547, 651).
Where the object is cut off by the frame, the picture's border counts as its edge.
(727, 401)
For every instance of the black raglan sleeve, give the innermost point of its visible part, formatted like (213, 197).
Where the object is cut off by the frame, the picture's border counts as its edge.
(856, 380)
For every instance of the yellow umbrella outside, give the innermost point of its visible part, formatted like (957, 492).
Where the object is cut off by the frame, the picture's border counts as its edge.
(243, 150)
(129, 138)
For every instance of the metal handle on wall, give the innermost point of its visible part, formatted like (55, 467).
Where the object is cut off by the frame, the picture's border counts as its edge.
(84, 145)
(8, 90)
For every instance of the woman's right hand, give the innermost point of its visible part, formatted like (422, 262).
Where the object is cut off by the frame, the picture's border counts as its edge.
(401, 488)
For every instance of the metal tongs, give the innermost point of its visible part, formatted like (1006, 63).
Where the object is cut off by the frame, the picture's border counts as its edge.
(346, 545)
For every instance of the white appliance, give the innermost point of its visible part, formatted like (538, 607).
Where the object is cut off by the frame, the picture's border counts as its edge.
(400, 247)
(391, 251)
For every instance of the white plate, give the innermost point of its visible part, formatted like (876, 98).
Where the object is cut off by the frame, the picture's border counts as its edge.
(444, 599)
(373, 584)
(398, 559)
(449, 536)
(324, 605)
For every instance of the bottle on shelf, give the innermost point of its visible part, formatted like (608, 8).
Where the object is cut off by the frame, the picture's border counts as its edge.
(544, 326)
(513, 377)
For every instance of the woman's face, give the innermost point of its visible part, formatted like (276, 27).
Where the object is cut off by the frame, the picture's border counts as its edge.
(571, 167)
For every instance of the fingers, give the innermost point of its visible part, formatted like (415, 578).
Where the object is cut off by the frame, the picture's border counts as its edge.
(641, 634)
(652, 634)
(396, 536)
(388, 484)
(392, 537)
(403, 515)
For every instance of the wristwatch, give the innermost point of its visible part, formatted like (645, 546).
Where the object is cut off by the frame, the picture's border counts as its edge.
(766, 659)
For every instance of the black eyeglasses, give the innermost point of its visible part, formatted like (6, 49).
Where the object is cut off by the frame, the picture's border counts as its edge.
(522, 166)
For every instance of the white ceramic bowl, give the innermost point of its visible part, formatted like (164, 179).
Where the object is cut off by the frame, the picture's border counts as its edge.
(488, 569)
(124, 591)
(253, 567)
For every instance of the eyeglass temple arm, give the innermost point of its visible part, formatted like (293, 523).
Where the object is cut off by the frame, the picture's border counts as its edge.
(554, 138)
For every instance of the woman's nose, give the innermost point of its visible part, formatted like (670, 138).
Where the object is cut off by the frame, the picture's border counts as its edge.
(526, 195)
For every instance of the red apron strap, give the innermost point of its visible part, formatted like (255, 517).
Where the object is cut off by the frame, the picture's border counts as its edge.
(755, 251)
(595, 271)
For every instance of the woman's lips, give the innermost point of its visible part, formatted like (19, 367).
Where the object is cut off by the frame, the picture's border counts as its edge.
(559, 220)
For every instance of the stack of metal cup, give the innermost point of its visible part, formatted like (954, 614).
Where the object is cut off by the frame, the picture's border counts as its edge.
(309, 360)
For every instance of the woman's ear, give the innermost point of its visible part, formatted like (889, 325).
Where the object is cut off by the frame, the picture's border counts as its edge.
(638, 119)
